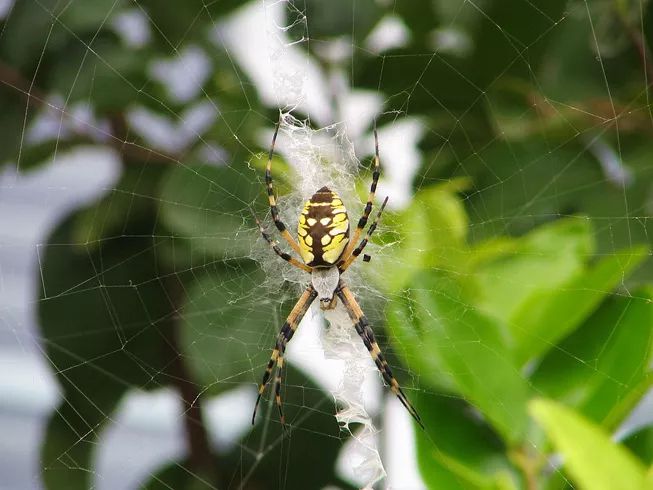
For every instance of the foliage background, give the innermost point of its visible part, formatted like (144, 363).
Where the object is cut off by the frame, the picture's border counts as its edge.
(515, 293)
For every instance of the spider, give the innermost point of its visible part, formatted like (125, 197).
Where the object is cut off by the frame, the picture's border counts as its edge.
(327, 252)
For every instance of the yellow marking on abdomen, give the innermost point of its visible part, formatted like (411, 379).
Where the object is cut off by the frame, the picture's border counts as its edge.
(323, 229)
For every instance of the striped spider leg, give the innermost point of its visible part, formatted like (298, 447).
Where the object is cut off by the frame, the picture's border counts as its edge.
(376, 173)
(272, 200)
(287, 331)
(364, 330)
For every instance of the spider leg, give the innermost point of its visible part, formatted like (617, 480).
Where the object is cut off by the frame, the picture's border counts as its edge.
(364, 330)
(272, 200)
(287, 257)
(370, 199)
(344, 265)
(286, 333)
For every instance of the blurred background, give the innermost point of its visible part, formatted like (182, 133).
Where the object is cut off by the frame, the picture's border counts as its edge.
(510, 281)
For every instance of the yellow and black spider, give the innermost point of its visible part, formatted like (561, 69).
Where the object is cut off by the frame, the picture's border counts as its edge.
(327, 252)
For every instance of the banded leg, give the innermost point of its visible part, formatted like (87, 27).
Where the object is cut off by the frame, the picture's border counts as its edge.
(370, 199)
(358, 250)
(277, 387)
(287, 257)
(364, 330)
(272, 200)
(286, 333)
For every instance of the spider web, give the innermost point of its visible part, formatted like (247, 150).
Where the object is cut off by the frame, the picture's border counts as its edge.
(325, 138)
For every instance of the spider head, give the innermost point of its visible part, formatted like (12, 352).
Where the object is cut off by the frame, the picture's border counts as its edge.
(325, 281)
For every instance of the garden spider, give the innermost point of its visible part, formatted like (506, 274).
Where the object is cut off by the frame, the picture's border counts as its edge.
(327, 252)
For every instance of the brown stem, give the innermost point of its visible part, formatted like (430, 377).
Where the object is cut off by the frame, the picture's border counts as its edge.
(133, 152)
(528, 465)
(200, 456)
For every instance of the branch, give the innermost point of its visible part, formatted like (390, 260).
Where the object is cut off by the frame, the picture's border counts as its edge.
(528, 464)
(12, 78)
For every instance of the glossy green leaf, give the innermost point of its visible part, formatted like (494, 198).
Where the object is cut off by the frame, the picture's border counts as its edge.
(602, 365)
(433, 230)
(592, 460)
(224, 339)
(546, 317)
(641, 444)
(110, 80)
(210, 206)
(457, 450)
(450, 343)
(132, 199)
(541, 261)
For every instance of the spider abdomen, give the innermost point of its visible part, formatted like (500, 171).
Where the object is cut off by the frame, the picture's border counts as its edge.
(323, 230)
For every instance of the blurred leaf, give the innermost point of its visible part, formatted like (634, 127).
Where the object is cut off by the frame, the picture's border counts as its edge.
(224, 339)
(25, 31)
(210, 205)
(179, 475)
(34, 156)
(603, 362)
(572, 72)
(254, 462)
(132, 199)
(314, 434)
(103, 314)
(520, 111)
(433, 230)
(511, 39)
(111, 78)
(547, 316)
(449, 343)
(12, 117)
(457, 450)
(591, 458)
(522, 185)
(641, 444)
(542, 260)
(81, 17)
(338, 18)
(170, 26)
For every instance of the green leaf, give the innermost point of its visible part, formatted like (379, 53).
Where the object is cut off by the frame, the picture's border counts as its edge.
(327, 19)
(603, 364)
(131, 199)
(433, 230)
(25, 32)
(641, 444)
(457, 450)
(83, 17)
(254, 462)
(450, 343)
(542, 260)
(224, 339)
(103, 316)
(593, 461)
(313, 431)
(12, 117)
(548, 316)
(210, 206)
(111, 79)
(504, 31)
